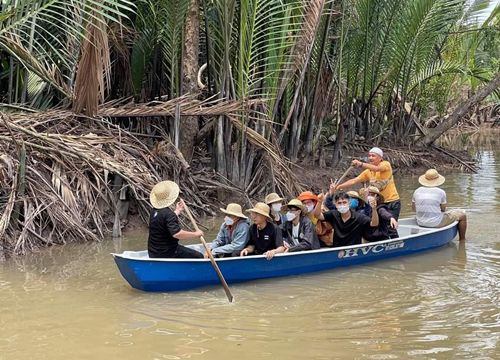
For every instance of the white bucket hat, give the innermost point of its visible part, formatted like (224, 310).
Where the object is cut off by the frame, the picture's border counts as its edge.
(164, 194)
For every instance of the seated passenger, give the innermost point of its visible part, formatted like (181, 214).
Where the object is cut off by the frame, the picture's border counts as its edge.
(275, 202)
(358, 204)
(309, 200)
(429, 202)
(348, 226)
(298, 230)
(387, 226)
(232, 236)
(264, 237)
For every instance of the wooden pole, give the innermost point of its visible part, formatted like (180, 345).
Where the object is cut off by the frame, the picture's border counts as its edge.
(210, 256)
(343, 176)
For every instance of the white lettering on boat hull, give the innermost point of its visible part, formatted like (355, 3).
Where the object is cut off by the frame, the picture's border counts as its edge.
(366, 250)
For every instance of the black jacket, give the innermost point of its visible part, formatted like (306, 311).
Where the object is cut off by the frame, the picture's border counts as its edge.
(308, 240)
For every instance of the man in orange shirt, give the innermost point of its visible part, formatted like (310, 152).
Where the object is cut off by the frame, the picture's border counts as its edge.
(378, 173)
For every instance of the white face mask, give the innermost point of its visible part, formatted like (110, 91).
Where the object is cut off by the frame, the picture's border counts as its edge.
(276, 207)
(228, 221)
(310, 207)
(343, 208)
(290, 216)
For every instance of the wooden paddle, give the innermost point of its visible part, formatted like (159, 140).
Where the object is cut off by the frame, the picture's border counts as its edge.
(211, 257)
(339, 180)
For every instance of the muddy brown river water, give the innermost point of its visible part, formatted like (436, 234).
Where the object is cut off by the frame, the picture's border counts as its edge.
(70, 302)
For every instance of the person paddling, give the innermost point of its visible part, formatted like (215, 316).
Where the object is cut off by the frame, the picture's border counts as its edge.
(378, 172)
(164, 228)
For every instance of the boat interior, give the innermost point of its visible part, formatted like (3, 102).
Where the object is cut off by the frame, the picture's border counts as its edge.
(407, 227)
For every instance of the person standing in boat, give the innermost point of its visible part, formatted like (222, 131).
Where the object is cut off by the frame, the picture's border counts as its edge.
(264, 237)
(164, 228)
(429, 202)
(387, 227)
(275, 202)
(232, 236)
(298, 230)
(378, 172)
(348, 226)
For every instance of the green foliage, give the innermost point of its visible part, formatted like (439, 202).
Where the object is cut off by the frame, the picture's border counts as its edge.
(44, 36)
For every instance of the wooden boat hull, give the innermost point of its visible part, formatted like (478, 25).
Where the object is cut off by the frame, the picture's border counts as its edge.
(147, 274)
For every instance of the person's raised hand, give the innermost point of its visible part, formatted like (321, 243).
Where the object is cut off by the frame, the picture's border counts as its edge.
(372, 201)
(356, 163)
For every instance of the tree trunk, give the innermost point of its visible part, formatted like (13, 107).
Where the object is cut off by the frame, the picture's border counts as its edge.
(189, 124)
(454, 118)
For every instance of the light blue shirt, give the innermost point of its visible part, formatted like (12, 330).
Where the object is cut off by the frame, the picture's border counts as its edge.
(226, 242)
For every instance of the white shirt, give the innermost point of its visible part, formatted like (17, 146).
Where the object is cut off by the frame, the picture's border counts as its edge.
(295, 234)
(428, 202)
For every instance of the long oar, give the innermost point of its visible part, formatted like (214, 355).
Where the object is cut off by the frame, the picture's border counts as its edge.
(212, 260)
(337, 182)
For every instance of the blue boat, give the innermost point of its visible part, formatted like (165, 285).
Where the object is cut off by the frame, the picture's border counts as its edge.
(147, 274)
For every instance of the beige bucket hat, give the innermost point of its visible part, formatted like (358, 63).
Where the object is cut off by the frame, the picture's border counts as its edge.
(354, 194)
(295, 203)
(431, 178)
(164, 194)
(374, 190)
(234, 210)
(262, 209)
(272, 198)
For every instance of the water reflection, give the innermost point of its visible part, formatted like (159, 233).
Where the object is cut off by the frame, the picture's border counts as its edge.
(70, 301)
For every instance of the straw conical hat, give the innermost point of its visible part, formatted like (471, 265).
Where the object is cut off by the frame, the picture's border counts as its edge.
(164, 194)
(431, 178)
